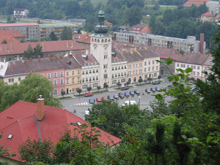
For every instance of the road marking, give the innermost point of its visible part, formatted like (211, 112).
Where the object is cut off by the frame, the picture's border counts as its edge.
(84, 103)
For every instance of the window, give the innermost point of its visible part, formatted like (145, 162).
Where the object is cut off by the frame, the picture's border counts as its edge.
(67, 80)
(105, 66)
(198, 74)
(133, 65)
(105, 56)
(178, 65)
(148, 62)
(61, 81)
(145, 63)
(140, 65)
(61, 74)
(157, 68)
(72, 72)
(11, 80)
(105, 75)
(140, 71)
(155, 74)
(198, 67)
(86, 71)
(55, 82)
(129, 73)
(129, 66)
(78, 79)
(152, 62)
(133, 72)
(136, 65)
(55, 92)
(67, 73)
(148, 68)
(72, 80)
(153, 68)
(55, 74)
(97, 71)
(48, 75)
(78, 71)
(145, 69)
(19, 78)
(187, 66)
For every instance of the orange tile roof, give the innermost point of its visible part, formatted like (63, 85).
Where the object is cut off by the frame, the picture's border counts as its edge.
(208, 14)
(47, 46)
(84, 39)
(10, 35)
(19, 121)
(195, 2)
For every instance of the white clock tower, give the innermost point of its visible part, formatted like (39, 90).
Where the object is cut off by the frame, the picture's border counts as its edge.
(101, 49)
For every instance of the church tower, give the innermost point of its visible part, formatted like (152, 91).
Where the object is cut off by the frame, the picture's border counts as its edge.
(101, 48)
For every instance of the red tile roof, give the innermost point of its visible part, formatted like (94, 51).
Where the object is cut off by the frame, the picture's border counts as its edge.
(208, 14)
(17, 24)
(19, 121)
(47, 46)
(141, 28)
(83, 61)
(193, 58)
(84, 39)
(10, 35)
(195, 2)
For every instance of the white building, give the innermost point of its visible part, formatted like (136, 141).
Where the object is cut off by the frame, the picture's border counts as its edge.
(19, 12)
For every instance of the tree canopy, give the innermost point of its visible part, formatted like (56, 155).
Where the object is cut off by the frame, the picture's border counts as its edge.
(33, 53)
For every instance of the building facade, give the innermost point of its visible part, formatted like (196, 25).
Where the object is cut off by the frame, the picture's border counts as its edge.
(189, 45)
(29, 30)
(46, 29)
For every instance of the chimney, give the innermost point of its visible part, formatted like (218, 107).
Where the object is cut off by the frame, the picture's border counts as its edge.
(40, 108)
(201, 45)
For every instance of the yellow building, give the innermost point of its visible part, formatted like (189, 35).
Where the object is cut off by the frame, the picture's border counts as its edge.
(72, 74)
(13, 71)
(209, 17)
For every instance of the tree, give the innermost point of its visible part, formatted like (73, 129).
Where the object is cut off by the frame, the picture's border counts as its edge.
(105, 85)
(133, 15)
(33, 53)
(118, 84)
(159, 77)
(140, 80)
(53, 36)
(98, 87)
(29, 52)
(66, 34)
(79, 91)
(34, 40)
(89, 89)
(63, 93)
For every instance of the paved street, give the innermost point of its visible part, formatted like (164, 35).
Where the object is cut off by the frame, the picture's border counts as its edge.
(81, 104)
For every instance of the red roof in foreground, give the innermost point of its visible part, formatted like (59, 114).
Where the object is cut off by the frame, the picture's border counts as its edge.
(19, 121)
(208, 14)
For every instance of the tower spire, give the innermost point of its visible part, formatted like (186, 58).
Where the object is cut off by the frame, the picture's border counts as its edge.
(101, 27)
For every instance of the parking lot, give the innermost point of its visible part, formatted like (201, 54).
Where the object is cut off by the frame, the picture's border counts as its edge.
(81, 104)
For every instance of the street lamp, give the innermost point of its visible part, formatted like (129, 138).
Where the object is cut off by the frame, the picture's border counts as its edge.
(139, 101)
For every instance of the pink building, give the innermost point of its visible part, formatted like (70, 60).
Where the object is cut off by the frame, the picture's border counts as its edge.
(51, 68)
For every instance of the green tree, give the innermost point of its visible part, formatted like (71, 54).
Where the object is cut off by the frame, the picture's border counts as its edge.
(133, 15)
(159, 77)
(79, 91)
(33, 53)
(29, 52)
(63, 93)
(53, 36)
(34, 40)
(105, 85)
(140, 80)
(66, 34)
(89, 89)
(98, 87)
(118, 84)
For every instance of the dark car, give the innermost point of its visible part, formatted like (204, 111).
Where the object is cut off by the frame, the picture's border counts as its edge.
(88, 94)
(121, 95)
(124, 88)
(91, 101)
(115, 96)
(126, 94)
(137, 92)
(153, 90)
(158, 89)
(156, 82)
(110, 97)
(147, 91)
(132, 93)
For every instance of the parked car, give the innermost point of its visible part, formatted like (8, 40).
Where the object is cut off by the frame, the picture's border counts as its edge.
(125, 88)
(153, 90)
(126, 94)
(115, 96)
(137, 92)
(104, 98)
(91, 101)
(98, 99)
(129, 103)
(110, 97)
(147, 91)
(156, 82)
(121, 95)
(158, 89)
(88, 94)
(132, 93)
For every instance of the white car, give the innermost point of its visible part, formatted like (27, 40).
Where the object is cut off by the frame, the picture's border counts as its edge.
(129, 103)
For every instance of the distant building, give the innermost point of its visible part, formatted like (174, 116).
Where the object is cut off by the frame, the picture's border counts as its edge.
(10, 35)
(46, 29)
(19, 12)
(190, 44)
(213, 7)
(209, 17)
(140, 28)
(29, 30)
(197, 3)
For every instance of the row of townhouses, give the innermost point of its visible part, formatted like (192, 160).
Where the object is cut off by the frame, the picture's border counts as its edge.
(69, 66)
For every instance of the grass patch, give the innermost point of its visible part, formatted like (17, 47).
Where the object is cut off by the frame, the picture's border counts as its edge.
(67, 97)
(142, 84)
(103, 91)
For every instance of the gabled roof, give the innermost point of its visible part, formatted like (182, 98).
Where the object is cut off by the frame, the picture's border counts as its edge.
(193, 58)
(16, 68)
(141, 28)
(10, 35)
(83, 61)
(47, 46)
(19, 121)
(69, 63)
(207, 14)
(84, 39)
(44, 64)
